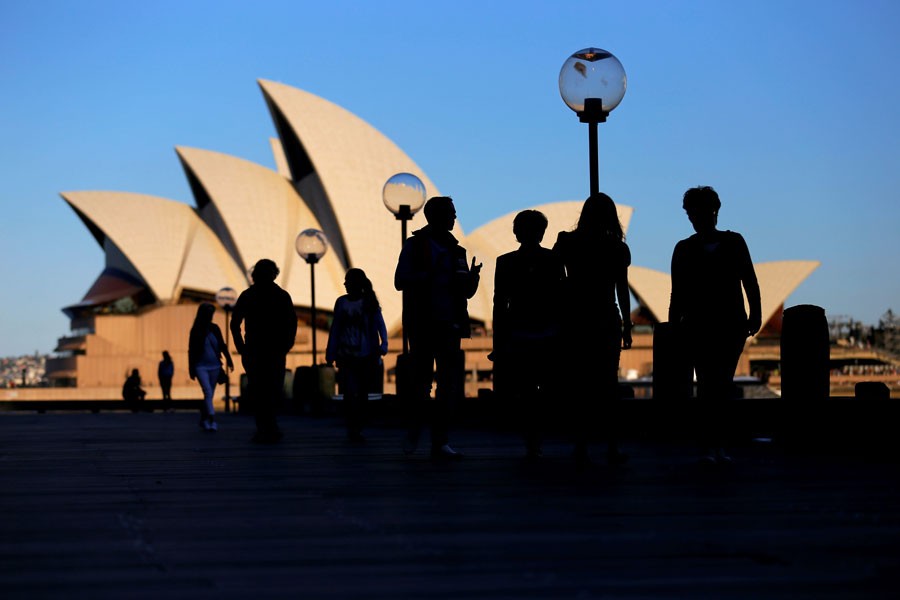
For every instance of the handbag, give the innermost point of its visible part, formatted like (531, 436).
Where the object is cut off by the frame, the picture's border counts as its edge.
(222, 378)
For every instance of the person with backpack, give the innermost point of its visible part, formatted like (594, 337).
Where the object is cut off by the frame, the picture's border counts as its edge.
(356, 342)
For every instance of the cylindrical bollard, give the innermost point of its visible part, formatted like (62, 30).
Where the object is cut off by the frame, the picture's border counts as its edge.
(805, 354)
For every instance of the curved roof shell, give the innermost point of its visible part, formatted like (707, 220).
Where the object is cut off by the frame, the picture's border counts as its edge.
(340, 164)
(259, 213)
(164, 242)
(777, 281)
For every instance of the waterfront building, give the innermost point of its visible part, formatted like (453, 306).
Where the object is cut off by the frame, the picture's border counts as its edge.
(163, 256)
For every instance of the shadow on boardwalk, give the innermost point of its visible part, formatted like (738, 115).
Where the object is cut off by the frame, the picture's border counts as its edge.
(121, 505)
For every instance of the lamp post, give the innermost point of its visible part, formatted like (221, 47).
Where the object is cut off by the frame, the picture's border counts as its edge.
(404, 196)
(226, 298)
(311, 245)
(592, 83)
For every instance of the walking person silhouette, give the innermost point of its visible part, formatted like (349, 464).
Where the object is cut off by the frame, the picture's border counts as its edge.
(206, 347)
(165, 371)
(711, 272)
(269, 321)
(437, 282)
(527, 308)
(596, 327)
(356, 342)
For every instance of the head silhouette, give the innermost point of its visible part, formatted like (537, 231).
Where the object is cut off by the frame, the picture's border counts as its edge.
(264, 271)
(600, 218)
(529, 226)
(702, 206)
(359, 285)
(205, 313)
(356, 282)
(440, 212)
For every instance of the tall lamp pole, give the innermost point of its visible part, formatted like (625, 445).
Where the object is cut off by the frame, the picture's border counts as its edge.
(404, 195)
(311, 245)
(592, 83)
(226, 298)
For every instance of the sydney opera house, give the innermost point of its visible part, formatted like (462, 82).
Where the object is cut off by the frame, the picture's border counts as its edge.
(163, 256)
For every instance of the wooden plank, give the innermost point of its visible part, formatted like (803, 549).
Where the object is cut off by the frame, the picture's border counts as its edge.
(122, 505)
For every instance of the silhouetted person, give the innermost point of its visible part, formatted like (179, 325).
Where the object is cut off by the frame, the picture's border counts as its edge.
(132, 391)
(711, 271)
(356, 342)
(206, 348)
(165, 371)
(437, 282)
(270, 328)
(527, 288)
(595, 327)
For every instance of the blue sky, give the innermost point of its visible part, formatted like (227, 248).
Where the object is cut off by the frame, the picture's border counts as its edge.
(788, 108)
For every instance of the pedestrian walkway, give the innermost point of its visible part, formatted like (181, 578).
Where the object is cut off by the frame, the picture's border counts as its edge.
(146, 505)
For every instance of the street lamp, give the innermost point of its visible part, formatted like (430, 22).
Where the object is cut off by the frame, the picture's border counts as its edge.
(226, 298)
(404, 195)
(311, 245)
(592, 83)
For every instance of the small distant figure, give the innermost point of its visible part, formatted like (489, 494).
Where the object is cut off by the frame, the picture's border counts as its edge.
(133, 392)
(206, 348)
(356, 342)
(596, 327)
(437, 281)
(165, 371)
(527, 289)
(711, 272)
(269, 321)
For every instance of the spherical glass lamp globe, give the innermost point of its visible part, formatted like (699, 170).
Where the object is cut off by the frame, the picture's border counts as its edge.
(311, 244)
(404, 190)
(592, 73)
(226, 297)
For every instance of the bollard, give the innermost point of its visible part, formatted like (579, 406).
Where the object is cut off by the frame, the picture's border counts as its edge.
(805, 378)
(805, 354)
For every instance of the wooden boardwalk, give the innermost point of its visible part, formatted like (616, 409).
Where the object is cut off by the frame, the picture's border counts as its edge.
(121, 505)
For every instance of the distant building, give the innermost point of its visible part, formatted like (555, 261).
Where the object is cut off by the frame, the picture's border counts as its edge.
(164, 256)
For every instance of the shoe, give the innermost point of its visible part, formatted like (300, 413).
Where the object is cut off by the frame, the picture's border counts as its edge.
(723, 459)
(708, 460)
(409, 443)
(445, 452)
(212, 426)
(204, 424)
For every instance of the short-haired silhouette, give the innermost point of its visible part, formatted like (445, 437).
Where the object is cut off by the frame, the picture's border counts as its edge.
(527, 289)
(437, 281)
(356, 342)
(269, 321)
(596, 327)
(711, 272)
